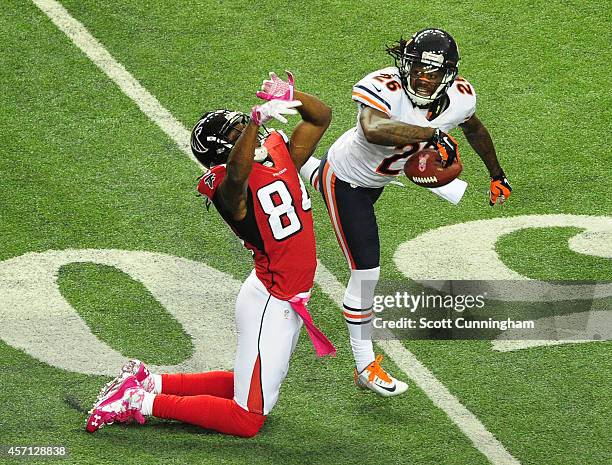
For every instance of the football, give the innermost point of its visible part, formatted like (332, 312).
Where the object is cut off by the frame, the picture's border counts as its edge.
(424, 168)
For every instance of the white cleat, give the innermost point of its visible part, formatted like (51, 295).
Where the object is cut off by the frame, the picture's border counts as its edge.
(374, 378)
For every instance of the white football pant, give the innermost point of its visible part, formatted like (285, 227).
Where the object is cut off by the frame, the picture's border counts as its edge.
(268, 331)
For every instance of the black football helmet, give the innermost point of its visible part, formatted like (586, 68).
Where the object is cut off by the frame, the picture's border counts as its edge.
(210, 141)
(431, 51)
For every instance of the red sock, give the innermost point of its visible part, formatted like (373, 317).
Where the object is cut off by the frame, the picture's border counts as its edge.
(215, 413)
(213, 383)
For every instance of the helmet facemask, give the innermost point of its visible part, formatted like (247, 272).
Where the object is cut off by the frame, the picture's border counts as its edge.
(414, 71)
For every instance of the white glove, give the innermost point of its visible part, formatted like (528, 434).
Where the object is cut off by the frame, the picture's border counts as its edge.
(261, 114)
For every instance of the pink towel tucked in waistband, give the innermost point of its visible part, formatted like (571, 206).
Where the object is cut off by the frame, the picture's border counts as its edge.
(322, 345)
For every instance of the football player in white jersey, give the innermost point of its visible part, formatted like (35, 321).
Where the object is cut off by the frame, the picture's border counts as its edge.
(402, 109)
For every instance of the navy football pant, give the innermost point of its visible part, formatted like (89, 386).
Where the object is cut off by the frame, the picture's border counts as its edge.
(351, 210)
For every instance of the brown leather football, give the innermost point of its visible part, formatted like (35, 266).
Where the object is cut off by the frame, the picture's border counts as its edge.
(424, 168)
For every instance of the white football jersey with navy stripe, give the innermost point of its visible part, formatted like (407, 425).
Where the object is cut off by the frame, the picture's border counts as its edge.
(357, 161)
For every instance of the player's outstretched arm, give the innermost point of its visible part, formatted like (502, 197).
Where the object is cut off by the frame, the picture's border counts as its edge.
(233, 188)
(379, 129)
(479, 138)
(316, 117)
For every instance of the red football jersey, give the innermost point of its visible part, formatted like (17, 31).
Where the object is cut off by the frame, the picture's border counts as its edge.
(278, 225)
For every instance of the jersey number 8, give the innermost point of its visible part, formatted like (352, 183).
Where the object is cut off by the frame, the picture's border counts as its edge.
(276, 202)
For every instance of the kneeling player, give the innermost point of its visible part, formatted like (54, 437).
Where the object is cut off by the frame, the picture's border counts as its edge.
(260, 195)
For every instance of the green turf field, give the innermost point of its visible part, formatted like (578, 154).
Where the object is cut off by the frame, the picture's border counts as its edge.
(82, 167)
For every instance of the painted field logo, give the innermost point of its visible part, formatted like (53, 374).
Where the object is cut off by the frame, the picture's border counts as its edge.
(466, 251)
(35, 315)
(39, 320)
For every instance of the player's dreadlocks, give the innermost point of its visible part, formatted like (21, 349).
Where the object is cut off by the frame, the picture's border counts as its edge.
(397, 48)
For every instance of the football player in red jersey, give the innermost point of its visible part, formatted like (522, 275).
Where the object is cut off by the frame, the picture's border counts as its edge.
(253, 182)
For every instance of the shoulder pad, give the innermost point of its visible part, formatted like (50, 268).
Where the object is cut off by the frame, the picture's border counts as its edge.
(463, 95)
(380, 90)
(210, 181)
(463, 86)
(284, 136)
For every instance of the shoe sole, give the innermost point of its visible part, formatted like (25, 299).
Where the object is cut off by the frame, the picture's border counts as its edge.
(381, 391)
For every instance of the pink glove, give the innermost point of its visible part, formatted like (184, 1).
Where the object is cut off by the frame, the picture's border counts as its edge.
(276, 88)
(261, 114)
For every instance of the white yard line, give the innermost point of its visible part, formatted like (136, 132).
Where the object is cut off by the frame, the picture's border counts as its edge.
(88, 44)
(442, 398)
(467, 422)
(482, 439)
